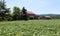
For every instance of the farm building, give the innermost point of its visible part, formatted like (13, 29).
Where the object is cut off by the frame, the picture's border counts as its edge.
(32, 15)
(45, 17)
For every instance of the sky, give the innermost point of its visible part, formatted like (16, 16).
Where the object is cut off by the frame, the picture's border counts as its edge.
(36, 6)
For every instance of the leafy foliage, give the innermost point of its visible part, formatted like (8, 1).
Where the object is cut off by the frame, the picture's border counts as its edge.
(2, 5)
(25, 16)
(16, 12)
(5, 13)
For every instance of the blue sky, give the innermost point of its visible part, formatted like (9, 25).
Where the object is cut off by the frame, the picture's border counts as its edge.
(37, 6)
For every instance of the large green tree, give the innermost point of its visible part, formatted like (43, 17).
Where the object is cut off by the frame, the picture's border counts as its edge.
(4, 12)
(16, 10)
(25, 15)
(16, 13)
(2, 4)
(8, 10)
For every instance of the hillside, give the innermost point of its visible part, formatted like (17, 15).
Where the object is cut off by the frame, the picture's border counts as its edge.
(52, 15)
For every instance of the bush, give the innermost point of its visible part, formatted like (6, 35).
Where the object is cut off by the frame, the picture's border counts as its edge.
(10, 19)
(1, 19)
(31, 18)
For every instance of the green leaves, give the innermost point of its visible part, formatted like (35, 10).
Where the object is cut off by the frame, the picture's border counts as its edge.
(16, 10)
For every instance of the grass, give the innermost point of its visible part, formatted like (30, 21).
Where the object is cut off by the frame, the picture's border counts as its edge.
(30, 28)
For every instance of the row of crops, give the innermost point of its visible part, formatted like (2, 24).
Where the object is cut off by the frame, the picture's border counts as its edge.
(30, 28)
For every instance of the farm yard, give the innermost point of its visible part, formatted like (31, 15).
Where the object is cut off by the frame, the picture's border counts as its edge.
(29, 18)
(30, 28)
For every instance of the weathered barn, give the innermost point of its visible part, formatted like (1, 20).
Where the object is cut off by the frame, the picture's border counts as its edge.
(46, 17)
(32, 15)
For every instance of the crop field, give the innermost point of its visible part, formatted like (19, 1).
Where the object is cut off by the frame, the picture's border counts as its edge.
(30, 28)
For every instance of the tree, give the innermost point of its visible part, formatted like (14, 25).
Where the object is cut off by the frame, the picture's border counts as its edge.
(25, 16)
(4, 12)
(3, 5)
(16, 12)
(8, 15)
(8, 10)
(2, 9)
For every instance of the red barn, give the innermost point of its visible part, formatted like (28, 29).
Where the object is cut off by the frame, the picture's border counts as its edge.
(31, 14)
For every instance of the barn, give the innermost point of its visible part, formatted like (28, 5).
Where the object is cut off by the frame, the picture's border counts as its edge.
(46, 17)
(31, 14)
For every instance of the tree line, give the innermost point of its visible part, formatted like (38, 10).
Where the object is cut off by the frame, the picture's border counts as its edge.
(18, 14)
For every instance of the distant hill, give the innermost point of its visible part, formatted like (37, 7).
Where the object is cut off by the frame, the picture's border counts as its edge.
(52, 15)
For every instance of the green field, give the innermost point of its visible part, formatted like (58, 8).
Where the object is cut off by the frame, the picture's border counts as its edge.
(30, 28)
